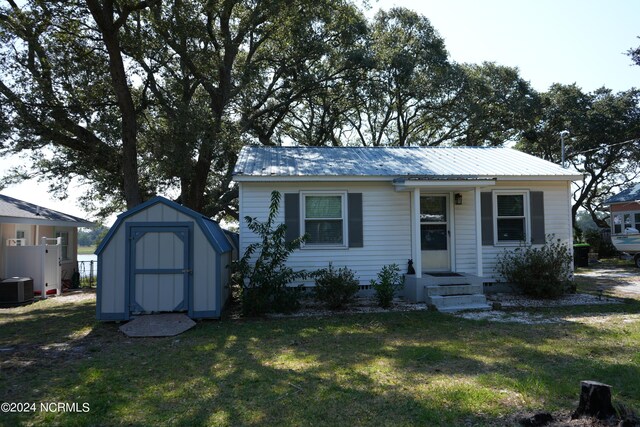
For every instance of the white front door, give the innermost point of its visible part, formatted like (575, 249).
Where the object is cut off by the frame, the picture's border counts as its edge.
(434, 232)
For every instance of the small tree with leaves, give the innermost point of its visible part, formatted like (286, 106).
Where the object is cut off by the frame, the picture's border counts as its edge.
(265, 278)
(389, 282)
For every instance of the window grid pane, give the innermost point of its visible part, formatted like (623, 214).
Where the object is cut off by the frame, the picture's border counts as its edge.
(511, 220)
(433, 209)
(324, 232)
(511, 205)
(323, 207)
(511, 229)
(323, 219)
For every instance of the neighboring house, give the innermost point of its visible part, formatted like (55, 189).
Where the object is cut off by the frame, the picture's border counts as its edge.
(625, 221)
(450, 210)
(38, 242)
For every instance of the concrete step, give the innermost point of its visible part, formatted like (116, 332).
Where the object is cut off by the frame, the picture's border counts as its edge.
(451, 280)
(442, 290)
(465, 307)
(457, 302)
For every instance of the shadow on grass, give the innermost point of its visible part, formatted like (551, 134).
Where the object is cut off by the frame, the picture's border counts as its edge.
(383, 369)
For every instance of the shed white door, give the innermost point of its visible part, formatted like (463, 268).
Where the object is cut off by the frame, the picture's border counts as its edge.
(160, 269)
(434, 233)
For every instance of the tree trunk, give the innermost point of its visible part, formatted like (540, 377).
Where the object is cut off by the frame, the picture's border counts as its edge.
(103, 15)
(595, 401)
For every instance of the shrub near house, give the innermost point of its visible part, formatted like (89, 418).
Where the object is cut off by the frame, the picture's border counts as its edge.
(541, 272)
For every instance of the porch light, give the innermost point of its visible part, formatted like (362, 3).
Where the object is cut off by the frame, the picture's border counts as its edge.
(458, 198)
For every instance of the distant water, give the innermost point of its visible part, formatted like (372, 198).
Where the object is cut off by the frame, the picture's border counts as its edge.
(85, 265)
(91, 257)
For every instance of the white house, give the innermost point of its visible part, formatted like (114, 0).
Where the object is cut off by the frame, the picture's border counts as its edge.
(450, 210)
(39, 243)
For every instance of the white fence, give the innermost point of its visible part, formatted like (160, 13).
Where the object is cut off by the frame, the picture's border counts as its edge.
(41, 263)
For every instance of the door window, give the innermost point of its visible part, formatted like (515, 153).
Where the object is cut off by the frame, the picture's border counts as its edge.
(433, 223)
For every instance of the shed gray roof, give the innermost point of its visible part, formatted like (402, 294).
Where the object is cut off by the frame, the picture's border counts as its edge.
(259, 161)
(629, 195)
(18, 211)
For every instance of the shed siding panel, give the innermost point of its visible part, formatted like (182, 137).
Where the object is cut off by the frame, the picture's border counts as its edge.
(113, 274)
(557, 218)
(204, 273)
(225, 276)
(159, 213)
(386, 227)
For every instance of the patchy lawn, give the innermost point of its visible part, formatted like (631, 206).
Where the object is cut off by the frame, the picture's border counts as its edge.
(404, 368)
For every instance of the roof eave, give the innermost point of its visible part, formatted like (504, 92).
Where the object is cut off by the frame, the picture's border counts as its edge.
(46, 222)
(379, 178)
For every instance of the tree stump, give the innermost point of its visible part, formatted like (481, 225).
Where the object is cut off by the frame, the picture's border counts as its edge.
(595, 401)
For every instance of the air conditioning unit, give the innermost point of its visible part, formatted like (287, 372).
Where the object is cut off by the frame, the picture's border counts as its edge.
(16, 291)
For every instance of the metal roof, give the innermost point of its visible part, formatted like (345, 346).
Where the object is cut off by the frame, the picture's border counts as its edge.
(631, 194)
(14, 210)
(427, 162)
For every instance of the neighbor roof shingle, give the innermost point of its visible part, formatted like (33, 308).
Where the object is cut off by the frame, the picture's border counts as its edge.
(629, 195)
(14, 208)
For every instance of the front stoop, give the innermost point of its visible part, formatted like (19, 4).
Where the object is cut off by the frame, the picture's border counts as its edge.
(448, 293)
(459, 302)
(455, 293)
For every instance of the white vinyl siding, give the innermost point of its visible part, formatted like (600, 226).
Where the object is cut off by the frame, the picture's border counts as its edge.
(386, 226)
(464, 222)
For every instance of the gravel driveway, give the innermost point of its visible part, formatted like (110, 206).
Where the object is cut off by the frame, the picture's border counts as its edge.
(620, 281)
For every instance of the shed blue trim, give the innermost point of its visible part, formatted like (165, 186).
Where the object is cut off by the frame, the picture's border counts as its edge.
(205, 314)
(218, 282)
(216, 235)
(210, 228)
(127, 271)
(113, 316)
(235, 238)
(99, 289)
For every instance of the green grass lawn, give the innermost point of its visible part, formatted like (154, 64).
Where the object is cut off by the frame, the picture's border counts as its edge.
(417, 368)
(86, 250)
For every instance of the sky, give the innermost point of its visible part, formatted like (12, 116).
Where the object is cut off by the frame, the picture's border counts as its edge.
(549, 41)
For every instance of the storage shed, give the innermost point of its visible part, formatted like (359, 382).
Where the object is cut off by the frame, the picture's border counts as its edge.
(163, 257)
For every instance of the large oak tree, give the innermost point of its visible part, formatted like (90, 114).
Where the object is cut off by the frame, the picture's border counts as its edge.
(603, 142)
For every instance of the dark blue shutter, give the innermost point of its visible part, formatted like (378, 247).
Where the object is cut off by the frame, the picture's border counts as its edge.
(486, 218)
(292, 216)
(536, 208)
(354, 209)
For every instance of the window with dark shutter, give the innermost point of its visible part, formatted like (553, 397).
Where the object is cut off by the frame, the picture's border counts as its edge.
(356, 237)
(292, 216)
(329, 219)
(486, 218)
(536, 200)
